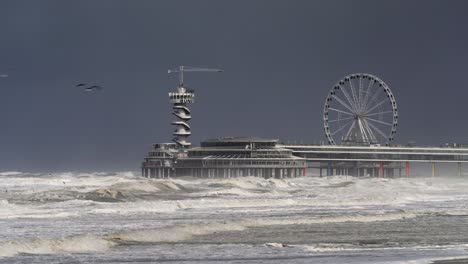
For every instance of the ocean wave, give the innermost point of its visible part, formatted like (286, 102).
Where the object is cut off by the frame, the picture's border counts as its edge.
(187, 231)
(73, 244)
(128, 193)
(168, 234)
(98, 195)
(327, 247)
(11, 211)
(11, 173)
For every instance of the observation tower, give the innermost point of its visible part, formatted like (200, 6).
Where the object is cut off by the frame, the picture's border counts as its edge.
(180, 99)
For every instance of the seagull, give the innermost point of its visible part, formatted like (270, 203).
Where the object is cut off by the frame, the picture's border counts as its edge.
(89, 88)
(94, 87)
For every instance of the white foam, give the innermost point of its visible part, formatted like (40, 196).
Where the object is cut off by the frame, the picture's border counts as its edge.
(209, 194)
(12, 211)
(330, 190)
(84, 243)
(141, 207)
(232, 191)
(187, 231)
(177, 233)
(326, 247)
(10, 173)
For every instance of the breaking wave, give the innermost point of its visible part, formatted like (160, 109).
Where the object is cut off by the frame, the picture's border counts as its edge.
(74, 244)
(186, 232)
(68, 194)
(168, 234)
(196, 207)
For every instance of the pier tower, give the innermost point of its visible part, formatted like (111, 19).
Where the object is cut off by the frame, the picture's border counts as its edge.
(180, 99)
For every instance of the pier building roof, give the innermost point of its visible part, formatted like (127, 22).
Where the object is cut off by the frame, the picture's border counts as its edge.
(239, 142)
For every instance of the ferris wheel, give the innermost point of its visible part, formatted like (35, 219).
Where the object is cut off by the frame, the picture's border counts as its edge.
(360, 110)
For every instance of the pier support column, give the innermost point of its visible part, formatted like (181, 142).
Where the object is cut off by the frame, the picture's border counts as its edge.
(381, 171)
(433, 169)
(459, 169)
(407, 169)
(329, 169)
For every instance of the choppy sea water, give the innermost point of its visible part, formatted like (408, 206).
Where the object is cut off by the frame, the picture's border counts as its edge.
(123, 218)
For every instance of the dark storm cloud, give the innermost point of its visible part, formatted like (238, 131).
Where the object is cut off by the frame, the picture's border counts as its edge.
(280, 59)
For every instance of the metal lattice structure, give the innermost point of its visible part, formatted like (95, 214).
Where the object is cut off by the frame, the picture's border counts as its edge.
(360, 109)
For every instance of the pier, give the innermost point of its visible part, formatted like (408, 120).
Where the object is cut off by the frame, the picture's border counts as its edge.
(380, 161)
(360, 119)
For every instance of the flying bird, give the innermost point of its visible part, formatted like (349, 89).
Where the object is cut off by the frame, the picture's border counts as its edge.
(89, 88)
(94, 87)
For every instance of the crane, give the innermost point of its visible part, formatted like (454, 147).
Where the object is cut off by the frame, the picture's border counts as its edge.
(182, 69)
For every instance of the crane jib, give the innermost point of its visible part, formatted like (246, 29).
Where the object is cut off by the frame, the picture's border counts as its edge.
(182, 69)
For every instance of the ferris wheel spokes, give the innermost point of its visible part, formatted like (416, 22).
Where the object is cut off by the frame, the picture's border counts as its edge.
(343, 103)
(341, 88)
(338, 120)
(340, 111)
(371, 84)
(378, 121)
(369, 112)
(379, 113)
(378, 130)
(377, 105)
(342, 127)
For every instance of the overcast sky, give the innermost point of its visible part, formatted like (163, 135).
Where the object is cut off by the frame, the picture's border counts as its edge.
(280, 58)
